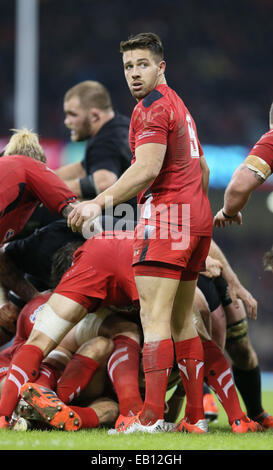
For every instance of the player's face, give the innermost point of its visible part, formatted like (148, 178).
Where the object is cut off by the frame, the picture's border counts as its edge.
(142, 72)
(77, 120)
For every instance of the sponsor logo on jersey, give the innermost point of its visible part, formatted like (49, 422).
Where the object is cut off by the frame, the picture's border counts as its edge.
(34, 315)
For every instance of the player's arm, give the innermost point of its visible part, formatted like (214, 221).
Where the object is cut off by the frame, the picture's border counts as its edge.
(246, 178)
(71, 171)
(47, 187)
(148, 163)
(236, 289)
(205, 174)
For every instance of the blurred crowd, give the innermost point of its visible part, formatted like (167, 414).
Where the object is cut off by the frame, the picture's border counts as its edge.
(218, 57)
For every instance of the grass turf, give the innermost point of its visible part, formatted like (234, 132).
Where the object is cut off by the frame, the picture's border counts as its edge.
(220, 437)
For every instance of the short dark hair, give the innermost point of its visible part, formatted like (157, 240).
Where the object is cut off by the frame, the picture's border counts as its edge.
(61, 261)
(150, 41)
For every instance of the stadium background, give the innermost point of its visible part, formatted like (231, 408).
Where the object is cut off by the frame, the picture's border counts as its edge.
(218, 59)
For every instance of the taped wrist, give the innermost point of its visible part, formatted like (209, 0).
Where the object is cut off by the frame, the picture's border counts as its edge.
(87, 186)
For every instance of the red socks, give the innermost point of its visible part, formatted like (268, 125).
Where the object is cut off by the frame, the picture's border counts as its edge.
(49, 376)
(190, 360)
(157, 365)
(88, 416)
(219, 377)
(123, 370)
(75, 377)
(24, 368)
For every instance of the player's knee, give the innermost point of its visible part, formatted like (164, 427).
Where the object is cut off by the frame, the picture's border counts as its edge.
(131, 330)
(98, 349)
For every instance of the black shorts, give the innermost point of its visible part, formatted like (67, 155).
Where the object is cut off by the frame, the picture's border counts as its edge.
(215, 291)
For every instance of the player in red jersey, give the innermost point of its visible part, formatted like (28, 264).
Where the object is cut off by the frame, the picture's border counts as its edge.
(253, 172)
(26, 181)
(170, 176)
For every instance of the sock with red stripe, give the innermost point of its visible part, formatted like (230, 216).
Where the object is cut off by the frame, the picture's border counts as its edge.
(75, 377)
(190, 360)
(123, 370)
(49, 376)
(24, 368)
(218, 376)
(88, 416)
(157, 365)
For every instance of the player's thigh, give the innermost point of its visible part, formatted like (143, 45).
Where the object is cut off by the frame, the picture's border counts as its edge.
(54, 321)
(156, 297)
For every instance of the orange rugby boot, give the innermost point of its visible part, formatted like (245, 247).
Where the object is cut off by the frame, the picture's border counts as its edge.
(244, 425)
(201, 427)
(51, 409)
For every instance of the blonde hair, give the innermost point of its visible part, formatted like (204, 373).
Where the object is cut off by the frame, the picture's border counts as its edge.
(25, 142)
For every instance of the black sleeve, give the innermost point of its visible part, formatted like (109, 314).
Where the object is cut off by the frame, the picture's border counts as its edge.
(104, 154)
(33, 254)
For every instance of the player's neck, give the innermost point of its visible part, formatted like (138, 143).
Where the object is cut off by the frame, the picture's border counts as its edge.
(105, 116)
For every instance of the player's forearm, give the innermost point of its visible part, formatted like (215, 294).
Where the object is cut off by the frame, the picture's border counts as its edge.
(235, 199)
(134, 180)
(227, 271)
(237, 194)
(74, 185)
(71, 171)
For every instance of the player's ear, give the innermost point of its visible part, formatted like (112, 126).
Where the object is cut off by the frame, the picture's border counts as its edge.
(94, 114)
(162, 67)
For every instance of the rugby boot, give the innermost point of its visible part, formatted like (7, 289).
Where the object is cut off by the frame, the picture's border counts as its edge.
(50, 408)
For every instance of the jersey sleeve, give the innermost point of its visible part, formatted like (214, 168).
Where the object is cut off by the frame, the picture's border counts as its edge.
(264, 149)
(103, 155)
(47, 187)
(151, 125)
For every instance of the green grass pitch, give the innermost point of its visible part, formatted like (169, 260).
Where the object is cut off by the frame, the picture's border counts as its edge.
(220, 437)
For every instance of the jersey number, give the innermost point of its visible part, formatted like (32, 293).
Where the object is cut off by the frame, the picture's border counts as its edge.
(193, 139)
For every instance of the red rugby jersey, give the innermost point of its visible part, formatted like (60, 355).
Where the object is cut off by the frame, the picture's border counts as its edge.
(24, 182)
(264, 148)
(161, 117)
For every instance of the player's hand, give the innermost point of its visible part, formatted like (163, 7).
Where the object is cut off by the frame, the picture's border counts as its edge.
(8, 316)
(86, 210)
(237, 291)
(220, 220)
(213, 267)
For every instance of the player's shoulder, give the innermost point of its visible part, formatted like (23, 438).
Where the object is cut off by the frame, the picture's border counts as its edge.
(152, 97)
(267, 137)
